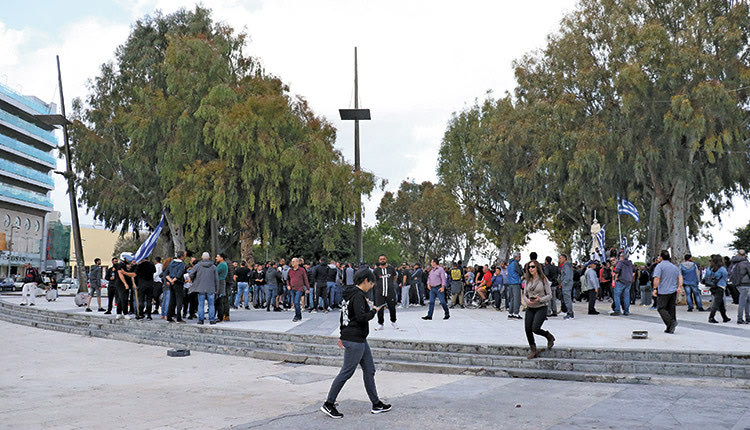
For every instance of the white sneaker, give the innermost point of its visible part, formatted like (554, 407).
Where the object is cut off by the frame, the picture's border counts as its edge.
(127, 317)
(395, 326)
(379, 327)
(118, 317)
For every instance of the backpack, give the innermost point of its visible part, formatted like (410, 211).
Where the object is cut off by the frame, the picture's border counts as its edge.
(585, 282)
(735, 275)
(455, 274)
(710, 279)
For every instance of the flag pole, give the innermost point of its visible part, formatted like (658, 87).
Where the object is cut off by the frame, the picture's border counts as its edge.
(619, 226)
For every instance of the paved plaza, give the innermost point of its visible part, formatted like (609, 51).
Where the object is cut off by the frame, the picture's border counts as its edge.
(55, 380)
(487, 326)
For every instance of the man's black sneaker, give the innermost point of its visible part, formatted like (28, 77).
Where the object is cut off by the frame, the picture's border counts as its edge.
(108, 313)
(426, 318)
(690, 310)
(89, 310)
(101, 310)
(200, 322)
(380, 407)
(614, 313)
(671, 328)
(446, 317)
(330, 410)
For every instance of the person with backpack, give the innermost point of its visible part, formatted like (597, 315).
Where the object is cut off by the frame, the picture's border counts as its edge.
(715, 278)
(740, 277)
(354, 325)
(418, 283)
(457, 286)
(30, 279)
(690, 276)
(589, 283)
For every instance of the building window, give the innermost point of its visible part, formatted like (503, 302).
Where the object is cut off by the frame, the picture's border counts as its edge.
(17, 222)
(37, 226)
(6, 223)
(27, 224)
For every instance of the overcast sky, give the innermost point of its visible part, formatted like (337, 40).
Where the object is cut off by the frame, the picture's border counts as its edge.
(419, 61)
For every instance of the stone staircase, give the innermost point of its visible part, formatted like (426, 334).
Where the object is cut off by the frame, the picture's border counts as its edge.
(572, 364)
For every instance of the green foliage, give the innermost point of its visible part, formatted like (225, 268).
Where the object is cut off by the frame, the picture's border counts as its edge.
(648, 100)
(185, 120)
(380, 239)
(428, 222)
(492, 169)
(741, 239)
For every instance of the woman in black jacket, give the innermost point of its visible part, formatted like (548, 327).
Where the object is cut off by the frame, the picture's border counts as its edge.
(355, 326)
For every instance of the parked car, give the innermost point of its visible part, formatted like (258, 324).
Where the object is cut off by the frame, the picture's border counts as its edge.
(68, 283)
(18, 285)
(7, 284)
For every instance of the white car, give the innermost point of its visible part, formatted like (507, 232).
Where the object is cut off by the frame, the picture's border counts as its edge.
(68, 284)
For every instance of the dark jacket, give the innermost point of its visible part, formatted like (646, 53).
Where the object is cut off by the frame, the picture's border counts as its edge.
(205, 278)
(332, 274)
(320, 274)
(273, 277)
(743, 267)
(95, 276)
(624, 271)
(355, 315)
(385, 283)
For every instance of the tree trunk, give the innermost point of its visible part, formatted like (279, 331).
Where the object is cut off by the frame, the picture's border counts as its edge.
(176, 232)
(248, 233)
(654, 229)
(467, 255)
(504, 250)
(675, 212)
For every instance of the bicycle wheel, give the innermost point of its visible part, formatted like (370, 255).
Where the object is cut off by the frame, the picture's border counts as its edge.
(471, 300)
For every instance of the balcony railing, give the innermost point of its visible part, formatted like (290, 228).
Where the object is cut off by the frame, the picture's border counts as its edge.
(30, 102)
(26, 172)
(26, 196)
(27, 149)
(31, 128)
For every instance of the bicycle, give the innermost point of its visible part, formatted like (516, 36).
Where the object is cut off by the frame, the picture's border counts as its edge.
(473, 300)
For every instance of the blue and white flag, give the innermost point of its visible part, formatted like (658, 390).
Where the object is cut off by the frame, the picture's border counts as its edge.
(625, 207)
(600, 240)
(148, 246)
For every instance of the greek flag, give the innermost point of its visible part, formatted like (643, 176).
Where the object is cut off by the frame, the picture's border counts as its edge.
(625, 207)
(148, 246)
(600, 240)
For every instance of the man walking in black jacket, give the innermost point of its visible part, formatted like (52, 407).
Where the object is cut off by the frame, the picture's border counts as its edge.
(355, 326)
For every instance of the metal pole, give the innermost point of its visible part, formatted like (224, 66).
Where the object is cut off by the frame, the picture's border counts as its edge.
(358, 215)
(619, 227)
(10, 247)
(82, 288)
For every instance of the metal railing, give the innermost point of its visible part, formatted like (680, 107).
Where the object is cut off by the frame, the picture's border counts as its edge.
(31, 128)
(30, 102)
(26, 172)
(27, 149)
(26, 196)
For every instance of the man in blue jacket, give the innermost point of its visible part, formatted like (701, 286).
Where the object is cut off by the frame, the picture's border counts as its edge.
(514, 286)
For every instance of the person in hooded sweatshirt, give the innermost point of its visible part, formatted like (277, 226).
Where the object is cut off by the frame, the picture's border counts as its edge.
(623, 280)
(355, 326)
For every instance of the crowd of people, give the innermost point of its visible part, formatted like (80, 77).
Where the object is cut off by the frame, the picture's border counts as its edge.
(181, 288)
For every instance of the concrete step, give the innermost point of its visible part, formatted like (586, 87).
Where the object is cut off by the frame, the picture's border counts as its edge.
(570, 364)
